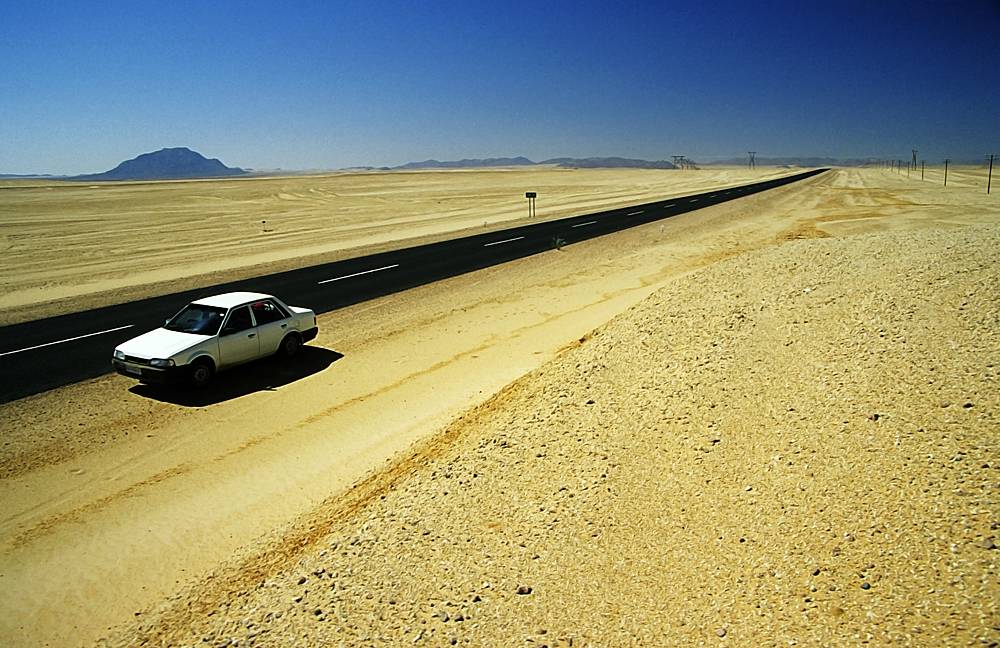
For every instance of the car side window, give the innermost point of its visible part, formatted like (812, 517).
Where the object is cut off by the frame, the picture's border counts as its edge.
(266, 312)
(239, 320)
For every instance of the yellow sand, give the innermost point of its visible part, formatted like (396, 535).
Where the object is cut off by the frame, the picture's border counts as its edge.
(736, 400)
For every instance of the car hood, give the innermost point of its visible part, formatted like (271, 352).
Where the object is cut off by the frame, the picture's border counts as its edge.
(160, 343)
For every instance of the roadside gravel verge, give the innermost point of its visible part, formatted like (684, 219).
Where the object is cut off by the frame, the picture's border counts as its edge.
(793, 445)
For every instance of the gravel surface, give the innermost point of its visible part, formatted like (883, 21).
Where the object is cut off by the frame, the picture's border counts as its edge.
(792, 446)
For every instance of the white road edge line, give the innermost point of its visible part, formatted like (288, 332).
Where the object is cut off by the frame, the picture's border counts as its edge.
(504, 241)
(587, 223)
(358, 274)
(78, 337)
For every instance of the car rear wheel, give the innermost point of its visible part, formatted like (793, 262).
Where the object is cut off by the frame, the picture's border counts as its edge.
(201, 374)
(290, 345)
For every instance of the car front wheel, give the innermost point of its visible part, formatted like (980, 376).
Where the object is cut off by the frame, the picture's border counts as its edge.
(201, 374)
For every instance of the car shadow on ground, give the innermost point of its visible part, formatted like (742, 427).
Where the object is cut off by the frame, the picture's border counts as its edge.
(264, 375)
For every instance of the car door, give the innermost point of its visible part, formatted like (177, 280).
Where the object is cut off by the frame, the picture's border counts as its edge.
(272, 324)
(238, 339)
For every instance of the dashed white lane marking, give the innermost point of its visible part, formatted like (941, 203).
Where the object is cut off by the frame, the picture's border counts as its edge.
(78, 337)
(636, 213)
(504, 241)
(669, 206)
(587, 223)
(358, 274)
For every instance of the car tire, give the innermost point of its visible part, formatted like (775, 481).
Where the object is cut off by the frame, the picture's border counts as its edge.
(200, 374)
(290, 345)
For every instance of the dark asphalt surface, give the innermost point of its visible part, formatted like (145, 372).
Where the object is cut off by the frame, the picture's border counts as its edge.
(44, 354)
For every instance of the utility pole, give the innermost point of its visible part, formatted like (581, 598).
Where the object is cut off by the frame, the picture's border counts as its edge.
(922, 170)
(989, 178)
(753, 165)
(682, 163)
(946, 161)
(914, 159)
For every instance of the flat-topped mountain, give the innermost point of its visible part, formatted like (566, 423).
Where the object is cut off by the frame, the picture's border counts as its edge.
(167, 164)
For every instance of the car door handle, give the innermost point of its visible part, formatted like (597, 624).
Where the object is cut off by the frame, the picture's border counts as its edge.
(251, 335)
(284, 326)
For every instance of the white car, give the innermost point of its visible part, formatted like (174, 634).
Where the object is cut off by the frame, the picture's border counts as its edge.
(215, 333)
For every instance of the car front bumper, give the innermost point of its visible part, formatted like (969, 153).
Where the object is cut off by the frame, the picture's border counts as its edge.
(146, 374)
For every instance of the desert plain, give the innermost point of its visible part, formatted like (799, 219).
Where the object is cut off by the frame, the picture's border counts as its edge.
(769, 422)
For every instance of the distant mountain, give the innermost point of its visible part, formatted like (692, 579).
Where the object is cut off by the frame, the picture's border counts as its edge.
(468, 164)
(609, 163)
(166, 164)
(566, 163)
(812, 162)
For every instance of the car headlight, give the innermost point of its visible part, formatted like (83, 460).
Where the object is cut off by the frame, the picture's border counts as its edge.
(120, 355)
(156, 362)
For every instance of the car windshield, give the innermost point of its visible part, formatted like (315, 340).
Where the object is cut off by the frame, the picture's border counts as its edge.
(202, 320)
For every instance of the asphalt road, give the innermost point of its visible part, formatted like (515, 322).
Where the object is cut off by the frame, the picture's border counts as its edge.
(44, 354)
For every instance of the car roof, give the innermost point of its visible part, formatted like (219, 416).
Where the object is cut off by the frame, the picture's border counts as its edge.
(229, 300)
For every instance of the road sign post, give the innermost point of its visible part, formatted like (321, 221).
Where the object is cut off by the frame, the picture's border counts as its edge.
(531, 195)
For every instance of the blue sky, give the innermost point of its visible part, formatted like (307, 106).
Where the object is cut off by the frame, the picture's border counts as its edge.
(324, 85)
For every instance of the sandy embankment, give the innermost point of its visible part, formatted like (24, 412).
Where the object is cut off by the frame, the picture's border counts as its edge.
(792, 446)
(683, 471)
